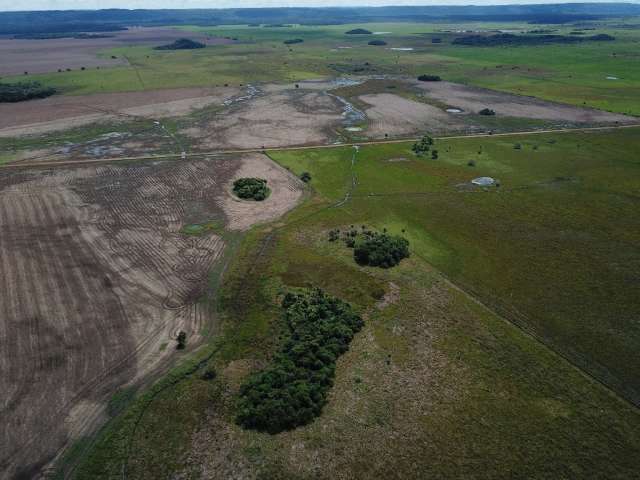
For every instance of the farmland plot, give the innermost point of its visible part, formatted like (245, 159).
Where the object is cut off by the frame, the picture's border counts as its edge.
(99, 277)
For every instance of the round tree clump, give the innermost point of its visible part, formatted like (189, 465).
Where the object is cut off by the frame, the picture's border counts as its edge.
(381, 250)
(251, 188)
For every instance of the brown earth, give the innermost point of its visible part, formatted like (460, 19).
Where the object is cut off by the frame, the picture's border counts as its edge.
(49, 55)
(64, 112)
(474, 99)
(98, 280)
(273, 118)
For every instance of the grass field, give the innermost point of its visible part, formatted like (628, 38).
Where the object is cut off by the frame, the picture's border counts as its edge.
(574, 74)
(444, 381)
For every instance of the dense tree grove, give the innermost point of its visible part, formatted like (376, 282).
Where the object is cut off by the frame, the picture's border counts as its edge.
(182, 44)
(381, 250)
(359, 31)
(251, 188)
(502, 39)
(21, 91)
(292, 390)
(429, 78)
(373, 248)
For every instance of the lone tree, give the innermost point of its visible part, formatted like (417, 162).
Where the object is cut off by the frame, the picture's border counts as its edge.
(182, 340)
(305, 177)
(251, 188)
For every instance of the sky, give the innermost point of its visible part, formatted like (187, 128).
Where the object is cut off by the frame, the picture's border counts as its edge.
(9, 5)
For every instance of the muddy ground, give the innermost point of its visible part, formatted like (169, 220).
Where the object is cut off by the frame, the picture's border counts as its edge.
(99, 278)
(49, 55)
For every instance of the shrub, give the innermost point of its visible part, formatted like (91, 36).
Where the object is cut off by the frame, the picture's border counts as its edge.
(486, 112)
(293, 41)
(292, 390)
(21, 91)
(429, 78)
(377, 42)
(381, 250)
(305, 177)
(251, 188)
(423, 146)
(434, 154)
(182, 340)
(358, 31)
(181, 44)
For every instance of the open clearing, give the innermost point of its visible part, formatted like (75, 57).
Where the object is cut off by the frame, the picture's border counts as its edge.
(49, 55)
(99, 277)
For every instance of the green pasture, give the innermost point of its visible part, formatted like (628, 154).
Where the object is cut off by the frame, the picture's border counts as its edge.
(465, 373)
(574, 74)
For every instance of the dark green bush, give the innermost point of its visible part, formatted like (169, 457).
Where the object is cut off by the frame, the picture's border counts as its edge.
(182, 44)
(21, 91)
(251, 188)
(429, 78)
(377, 43)
(381, 250)
(358, 31)
(305, 177)
(423, 146)
(487, 112)
(293, 41)
(292, 390)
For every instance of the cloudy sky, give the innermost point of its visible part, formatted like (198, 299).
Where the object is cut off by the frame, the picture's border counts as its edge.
(96, 4)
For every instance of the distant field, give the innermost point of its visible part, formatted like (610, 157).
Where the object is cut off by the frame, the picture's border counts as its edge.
(575, 74)
(436, 384)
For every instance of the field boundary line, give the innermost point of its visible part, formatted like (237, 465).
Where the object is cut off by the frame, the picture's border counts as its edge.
(213, 153)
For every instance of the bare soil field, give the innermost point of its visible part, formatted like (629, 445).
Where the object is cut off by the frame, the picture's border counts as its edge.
(64, 112)
(473, 99)
(274, 117)
(98, 278)
(394, 115)
(48, 55)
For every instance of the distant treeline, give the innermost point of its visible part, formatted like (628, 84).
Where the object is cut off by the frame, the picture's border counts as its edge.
(516, 40)
(115, 19)
(21, 91)
(49, 36)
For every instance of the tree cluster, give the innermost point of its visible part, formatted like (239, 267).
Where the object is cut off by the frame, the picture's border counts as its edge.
(429, 78)
(21, 91)
(358, 31)
(377, 43)
(292, 390)
(487, 112)
(251, 188)
(182, 44)
(293, 41)
(423, 146)
(502, 39)
(373, 248)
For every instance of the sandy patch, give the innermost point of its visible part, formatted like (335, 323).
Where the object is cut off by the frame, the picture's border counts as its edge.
(473, 99)
(394, 115)
(286, 191)
(63, 112)
(273, 119)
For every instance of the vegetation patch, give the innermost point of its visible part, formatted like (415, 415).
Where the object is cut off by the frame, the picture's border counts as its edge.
(251, 188)
(358, 31)
(429, 78)
(21, 91)
(502, 39)
(197, 229)
(292, 390)
(373, 248)
(293, 41)
(182, 44)
(377, 43)
(487, 112)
